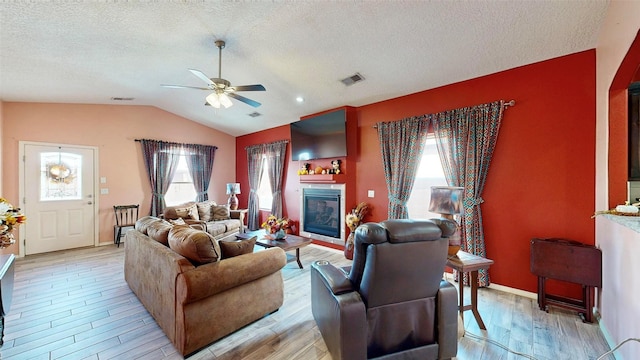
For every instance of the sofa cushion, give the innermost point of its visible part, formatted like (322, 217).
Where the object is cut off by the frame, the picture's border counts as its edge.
(220, 212)
(216, 228)
(205, 210)
(159, 231)
(239, 247)
(143, 223)
(195, 245)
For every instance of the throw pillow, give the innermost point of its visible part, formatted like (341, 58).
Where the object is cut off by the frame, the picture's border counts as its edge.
(143, 223)
(196, 245)
(239, 247)
(159, 231)
(220, 212)
(188, 212)
(204, 210)
(178, 221)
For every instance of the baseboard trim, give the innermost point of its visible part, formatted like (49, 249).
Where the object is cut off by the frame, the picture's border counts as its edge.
(607, 336)
(507, 289)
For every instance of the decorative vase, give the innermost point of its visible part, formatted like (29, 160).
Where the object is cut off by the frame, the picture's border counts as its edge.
(348, 247)
(455, 242)
(279, 235)
(6, 239)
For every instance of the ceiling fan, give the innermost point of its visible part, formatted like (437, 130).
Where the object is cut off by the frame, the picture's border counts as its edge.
(222, 89)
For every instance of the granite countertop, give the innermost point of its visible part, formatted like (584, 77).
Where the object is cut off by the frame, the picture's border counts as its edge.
(632, 222)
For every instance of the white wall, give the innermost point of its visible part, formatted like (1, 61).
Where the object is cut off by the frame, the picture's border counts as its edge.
(620, 295)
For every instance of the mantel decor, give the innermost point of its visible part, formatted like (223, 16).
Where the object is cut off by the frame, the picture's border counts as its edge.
(10, 218)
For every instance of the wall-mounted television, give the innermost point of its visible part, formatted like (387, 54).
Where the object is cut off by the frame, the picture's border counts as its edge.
(319, 137)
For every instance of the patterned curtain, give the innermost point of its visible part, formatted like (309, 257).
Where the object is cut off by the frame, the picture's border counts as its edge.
(276, 153)
(200, 162)
(466, 139)
(160, 160)
(401, 143)
(254, 161)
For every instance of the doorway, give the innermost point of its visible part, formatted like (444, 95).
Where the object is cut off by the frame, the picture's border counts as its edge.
(57, 189)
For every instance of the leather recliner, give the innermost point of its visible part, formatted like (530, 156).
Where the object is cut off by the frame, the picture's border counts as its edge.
(392, 302)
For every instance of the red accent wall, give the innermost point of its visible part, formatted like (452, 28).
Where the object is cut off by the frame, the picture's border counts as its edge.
(541, 182)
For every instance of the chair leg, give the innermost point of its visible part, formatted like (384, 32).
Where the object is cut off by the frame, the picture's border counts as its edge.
(118, 237)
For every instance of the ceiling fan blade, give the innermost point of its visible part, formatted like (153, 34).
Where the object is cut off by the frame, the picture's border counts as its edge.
(202, 76)
(244, 99)
(184, 87)
(256, 87)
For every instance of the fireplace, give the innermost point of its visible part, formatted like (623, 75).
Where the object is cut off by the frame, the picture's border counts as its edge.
(322, 215)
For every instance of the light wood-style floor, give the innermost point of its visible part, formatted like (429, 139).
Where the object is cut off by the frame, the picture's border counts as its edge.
(76, 305)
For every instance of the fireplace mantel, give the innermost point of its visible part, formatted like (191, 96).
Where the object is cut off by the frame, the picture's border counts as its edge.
(323, 178)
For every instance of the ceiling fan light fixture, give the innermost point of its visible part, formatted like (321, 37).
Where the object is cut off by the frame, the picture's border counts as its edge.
(213, 100)
(216, 100)
(224, 100)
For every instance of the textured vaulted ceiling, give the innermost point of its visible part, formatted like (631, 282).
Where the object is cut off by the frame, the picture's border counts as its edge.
(89, 52)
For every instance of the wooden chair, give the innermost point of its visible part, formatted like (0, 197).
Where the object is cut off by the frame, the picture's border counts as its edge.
(126, 217)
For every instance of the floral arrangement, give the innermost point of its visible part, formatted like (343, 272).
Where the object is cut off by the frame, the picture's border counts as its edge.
(356, 216)
(353, 220)
(273, 224)
(10, 218)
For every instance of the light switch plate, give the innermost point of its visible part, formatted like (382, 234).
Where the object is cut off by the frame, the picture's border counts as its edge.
(104, 191)
(371, 193)
(103, 180)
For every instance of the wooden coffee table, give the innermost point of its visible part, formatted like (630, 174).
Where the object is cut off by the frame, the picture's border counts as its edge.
(291, 242)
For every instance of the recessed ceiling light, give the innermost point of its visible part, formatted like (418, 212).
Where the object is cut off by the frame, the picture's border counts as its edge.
(300, 99)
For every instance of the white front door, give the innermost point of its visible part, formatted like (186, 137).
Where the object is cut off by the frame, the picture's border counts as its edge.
(59, 199)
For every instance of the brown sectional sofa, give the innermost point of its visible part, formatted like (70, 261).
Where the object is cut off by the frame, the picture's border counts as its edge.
(197, 304)
(215, 219)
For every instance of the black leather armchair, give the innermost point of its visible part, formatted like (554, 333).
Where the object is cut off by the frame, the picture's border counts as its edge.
(392, 303)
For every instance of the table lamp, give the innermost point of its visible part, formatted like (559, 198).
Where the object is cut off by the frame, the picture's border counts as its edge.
(232, 190)
(447, 201)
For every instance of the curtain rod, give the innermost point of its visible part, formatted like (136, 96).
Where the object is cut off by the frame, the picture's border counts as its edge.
(506, 105)
(174, 143)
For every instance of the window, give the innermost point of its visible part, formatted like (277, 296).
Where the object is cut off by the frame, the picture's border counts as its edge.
(181, 189)
(60, 176)
(429, 174)
(265, 196)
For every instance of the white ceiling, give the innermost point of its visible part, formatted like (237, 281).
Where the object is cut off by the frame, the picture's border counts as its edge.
(89, 52)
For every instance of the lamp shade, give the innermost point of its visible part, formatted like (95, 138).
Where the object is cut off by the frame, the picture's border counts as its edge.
(446, 200)
(233, 188)
(217, 99)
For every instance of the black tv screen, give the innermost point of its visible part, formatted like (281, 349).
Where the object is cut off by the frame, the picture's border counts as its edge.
(319, 137)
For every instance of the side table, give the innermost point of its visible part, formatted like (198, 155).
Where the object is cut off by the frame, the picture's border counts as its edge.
(6, 288)
(464, 262)
(242, 215)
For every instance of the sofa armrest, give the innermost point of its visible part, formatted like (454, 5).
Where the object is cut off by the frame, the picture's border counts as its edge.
(340, 314)
(240, 215)
(447, 304)
(210, 279)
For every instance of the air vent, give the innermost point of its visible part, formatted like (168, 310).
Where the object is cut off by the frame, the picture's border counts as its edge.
(348, 81)
(122, 98)
(255, 114)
